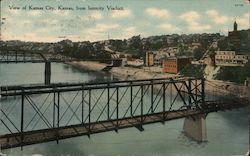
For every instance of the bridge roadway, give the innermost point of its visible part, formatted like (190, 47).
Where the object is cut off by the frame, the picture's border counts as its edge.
(56, 134)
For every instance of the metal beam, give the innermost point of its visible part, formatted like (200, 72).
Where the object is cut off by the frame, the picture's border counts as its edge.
(84, 95)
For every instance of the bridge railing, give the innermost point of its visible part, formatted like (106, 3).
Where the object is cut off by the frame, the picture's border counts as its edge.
(21, 56)
(25, 56)
(29, 108)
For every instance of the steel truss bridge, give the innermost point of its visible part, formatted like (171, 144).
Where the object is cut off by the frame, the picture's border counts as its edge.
(41, 113)
(24, 56)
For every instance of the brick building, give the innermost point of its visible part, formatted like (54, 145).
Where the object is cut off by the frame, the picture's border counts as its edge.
(175, 64)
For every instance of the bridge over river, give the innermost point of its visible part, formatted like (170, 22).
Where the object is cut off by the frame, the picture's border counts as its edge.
(32, 114)
(58, 111)
(25, 56)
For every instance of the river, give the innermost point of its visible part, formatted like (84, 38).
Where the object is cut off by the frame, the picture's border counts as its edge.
(227, 131)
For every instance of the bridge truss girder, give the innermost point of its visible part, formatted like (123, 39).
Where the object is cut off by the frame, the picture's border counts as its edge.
(32, 109)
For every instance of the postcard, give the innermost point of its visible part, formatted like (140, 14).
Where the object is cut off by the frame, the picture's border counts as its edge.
(124, 77)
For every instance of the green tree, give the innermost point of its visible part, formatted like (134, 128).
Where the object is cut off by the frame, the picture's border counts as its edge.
(198, 53)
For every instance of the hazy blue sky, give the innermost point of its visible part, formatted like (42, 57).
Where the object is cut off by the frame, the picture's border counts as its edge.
(144, 17)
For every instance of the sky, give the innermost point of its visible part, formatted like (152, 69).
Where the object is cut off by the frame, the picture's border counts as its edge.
(131, 17)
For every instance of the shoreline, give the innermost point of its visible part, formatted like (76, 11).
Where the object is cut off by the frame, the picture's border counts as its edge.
(130, 73)
(124, 73)
(88, 65)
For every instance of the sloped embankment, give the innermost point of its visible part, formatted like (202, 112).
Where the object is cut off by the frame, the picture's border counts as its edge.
(233, 74)
(193, 70)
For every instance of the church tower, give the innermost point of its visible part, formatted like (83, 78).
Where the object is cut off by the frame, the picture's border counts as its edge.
(235, 26)
(234, 38)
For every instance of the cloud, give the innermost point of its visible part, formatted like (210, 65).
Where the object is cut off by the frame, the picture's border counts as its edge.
(96, 15)
(49, 21)
(121, 14)
(102, 31)
(30, 37)
(14, 12)
(169, 27)
(243, 21)
(130, 29)
(43, 30)
(129, 32)
(21, 23)
(191, 18)
(104, 27)
(26, 23)
(159, 13)
(200, 28)
(34, 13)
(224, 30)
(61, 13)
(125, 32)
(99, 32)
(216, 17)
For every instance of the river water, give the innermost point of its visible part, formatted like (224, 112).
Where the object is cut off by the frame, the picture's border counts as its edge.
(227, 131)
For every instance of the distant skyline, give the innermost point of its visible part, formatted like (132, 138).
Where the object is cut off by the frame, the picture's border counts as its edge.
(137, 17)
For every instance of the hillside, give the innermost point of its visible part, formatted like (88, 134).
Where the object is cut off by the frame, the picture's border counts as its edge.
(134, 45)
(138, 46)
(224, 44)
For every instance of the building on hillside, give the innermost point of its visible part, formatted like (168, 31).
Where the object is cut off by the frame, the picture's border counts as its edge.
(135, 63)
(155, 58)
(230, 58)
(195, 45)
(234, 38)
(173, 50)
(149, 58)
(158, 60)
(175, 64)
(168, 52)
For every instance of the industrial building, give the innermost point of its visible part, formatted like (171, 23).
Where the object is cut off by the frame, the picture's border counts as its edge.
(175, 64)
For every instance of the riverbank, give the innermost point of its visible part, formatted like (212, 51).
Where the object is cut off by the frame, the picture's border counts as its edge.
(130, 73)
(227, 88)
(88, 65)
(124, 73)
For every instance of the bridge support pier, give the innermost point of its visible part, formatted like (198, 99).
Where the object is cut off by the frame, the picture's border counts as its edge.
(47, 72)
(195, 127)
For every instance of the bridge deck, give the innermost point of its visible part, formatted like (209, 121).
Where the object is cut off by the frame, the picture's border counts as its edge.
(14, 140)
(46, 135)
